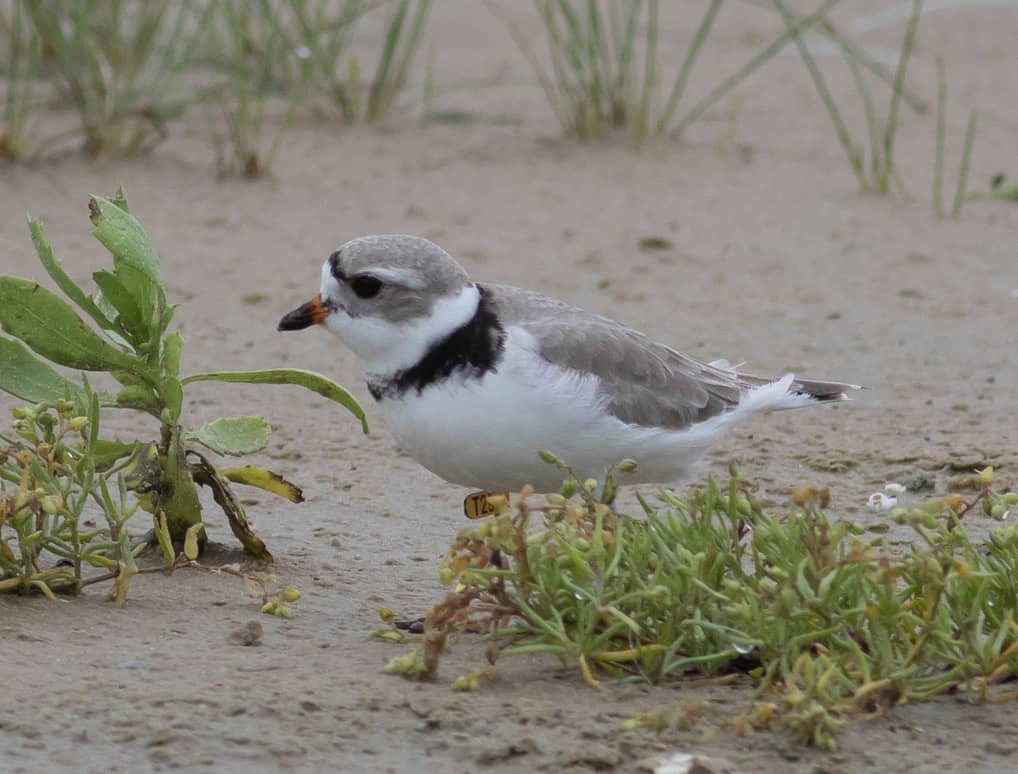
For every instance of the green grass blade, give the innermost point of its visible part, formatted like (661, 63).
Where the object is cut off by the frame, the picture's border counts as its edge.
(754, 64)
(963, 172)
(854, 158)
(938, 158)
(891, 130)
(679, 87)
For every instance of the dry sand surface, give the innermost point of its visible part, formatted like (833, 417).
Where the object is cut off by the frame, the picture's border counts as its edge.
(776, 260)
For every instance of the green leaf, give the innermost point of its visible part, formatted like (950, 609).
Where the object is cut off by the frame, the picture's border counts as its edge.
(48, 325)
(173, 347)
(109, 313)
(60, 277)
(113, 290)
(314, 382)
(235, 436)
(138, 396)
(23, 375)
(123, 236)
(136, 266)
(173, 399)
(107, 451)
(120, 199)
(149, 297)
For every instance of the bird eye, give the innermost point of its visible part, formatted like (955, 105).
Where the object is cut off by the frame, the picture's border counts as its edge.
(366, 286)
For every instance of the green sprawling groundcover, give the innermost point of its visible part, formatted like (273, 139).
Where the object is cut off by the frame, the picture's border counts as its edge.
(828, 620)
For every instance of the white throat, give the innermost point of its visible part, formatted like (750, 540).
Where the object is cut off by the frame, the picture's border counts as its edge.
(386, 347)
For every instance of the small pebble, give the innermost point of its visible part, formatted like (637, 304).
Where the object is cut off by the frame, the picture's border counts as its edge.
(248, 635)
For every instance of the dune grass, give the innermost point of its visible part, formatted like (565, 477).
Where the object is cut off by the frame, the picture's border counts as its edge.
(604, 71)
(280, 55)
(938, 161)
(257, 67)
(327, 32)
(18, 138)
(872, 161)
(118, 64)
(127, 68)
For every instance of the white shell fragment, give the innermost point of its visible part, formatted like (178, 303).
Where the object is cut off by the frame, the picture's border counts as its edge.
(880, 502)
(894, 489)
(685, 763)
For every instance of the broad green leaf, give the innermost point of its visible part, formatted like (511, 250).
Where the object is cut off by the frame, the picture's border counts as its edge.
(149, 297)
(136, 266)
(48, 325)
(107, 451)
(314, 382)
(113, 290)
(235, 436)
(25, 376)
(60, 277)
(112, 335)
(107, 310)
(123, 236)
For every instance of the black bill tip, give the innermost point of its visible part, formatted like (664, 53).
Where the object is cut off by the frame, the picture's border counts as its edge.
(304, 316)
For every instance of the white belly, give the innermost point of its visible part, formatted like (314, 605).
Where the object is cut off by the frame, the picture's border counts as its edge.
(487, 433)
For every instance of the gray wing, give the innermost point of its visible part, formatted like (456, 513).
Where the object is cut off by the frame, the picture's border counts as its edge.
(642, 381)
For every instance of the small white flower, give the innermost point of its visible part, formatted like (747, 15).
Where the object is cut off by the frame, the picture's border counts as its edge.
(879, 502)
(893, 488)
(303, 52)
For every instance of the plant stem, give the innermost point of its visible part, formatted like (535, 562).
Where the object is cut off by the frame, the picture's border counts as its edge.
(938, 159)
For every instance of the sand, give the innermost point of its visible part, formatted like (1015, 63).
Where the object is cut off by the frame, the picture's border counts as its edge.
(775, 259)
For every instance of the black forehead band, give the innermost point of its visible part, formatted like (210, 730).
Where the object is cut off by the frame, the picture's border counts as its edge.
(334, 269)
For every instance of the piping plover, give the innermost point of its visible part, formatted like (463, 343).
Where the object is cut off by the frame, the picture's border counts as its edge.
(474, 379)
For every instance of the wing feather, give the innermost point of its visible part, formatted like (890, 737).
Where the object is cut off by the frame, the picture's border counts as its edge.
(641, 381)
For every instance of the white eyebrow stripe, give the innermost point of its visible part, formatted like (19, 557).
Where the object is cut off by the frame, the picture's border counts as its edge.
(407, 279)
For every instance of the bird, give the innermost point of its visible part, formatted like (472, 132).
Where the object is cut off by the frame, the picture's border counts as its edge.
(477, 381)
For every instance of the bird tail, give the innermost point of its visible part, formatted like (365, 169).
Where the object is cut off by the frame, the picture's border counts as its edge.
(804, 391)
(795, 392)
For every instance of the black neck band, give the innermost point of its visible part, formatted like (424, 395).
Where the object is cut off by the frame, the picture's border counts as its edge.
(472, 350)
